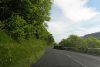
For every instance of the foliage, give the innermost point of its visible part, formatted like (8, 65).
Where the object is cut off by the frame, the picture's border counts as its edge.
(24, 19)
(4, 38)
(24, 35)
(92, 42)
(74, 42)
(13, 54)
(14, 26)
(77, 43)
(56, 46)
(30, 9)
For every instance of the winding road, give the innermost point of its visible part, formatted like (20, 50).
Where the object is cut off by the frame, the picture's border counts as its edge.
(62, 58)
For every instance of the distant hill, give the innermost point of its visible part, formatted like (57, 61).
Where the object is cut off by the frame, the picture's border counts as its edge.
(96, 35)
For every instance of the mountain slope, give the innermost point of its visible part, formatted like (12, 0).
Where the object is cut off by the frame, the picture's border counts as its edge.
(96, 35)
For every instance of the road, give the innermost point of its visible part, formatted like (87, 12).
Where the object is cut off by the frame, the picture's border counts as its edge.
(62, 58)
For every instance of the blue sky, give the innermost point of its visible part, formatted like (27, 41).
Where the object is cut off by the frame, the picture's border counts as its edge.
(94, 3)
(78, 17)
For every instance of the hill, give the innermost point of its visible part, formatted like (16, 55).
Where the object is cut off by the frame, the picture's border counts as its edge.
(96, 35)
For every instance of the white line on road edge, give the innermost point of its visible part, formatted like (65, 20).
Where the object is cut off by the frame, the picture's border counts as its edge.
(75, 60)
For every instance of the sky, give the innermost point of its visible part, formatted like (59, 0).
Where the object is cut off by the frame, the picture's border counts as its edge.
(79, 17)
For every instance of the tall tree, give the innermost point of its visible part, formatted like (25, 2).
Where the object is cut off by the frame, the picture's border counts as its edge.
(25, 17)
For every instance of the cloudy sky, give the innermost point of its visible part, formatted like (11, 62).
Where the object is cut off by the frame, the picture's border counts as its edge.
(78, 17)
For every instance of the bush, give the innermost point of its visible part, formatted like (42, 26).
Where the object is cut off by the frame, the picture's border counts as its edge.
(88, 45)
(4, 38)
(22, 21)
(13, 54)
(75, 43)
(14, 27)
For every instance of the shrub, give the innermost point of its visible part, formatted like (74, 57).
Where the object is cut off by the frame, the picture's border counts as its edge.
(13, 54)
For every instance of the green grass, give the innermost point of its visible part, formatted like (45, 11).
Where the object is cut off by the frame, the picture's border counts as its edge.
(13, 54)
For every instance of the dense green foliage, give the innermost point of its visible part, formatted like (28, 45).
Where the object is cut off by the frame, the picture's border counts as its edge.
(23, 35)
(80, 44)
(74, 42)
(13, 54)
(37, 10)
(92, 42)
(23, 19)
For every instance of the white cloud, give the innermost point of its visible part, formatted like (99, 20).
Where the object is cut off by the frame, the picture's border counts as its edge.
(75, 14)
(76, 10)
(58, 29)
(62, 29)
(84, 31)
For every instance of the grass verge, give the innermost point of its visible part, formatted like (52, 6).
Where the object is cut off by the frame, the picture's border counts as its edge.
(13, 54)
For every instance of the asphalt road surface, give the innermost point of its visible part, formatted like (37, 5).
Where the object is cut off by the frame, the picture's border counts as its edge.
(62, 58)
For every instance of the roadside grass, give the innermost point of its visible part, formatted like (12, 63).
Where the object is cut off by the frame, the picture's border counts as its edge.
(91, 51)
(22, 54)
(94, 51)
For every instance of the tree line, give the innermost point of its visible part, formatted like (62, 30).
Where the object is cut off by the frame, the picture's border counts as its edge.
(81, 44)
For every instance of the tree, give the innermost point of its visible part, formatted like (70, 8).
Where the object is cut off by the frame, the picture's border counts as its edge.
(92, 42)
(24, 19)
(14, 27)
(31, 10)
(74, 42)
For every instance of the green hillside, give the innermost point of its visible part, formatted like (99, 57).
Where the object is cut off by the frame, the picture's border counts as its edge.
(23, 36)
